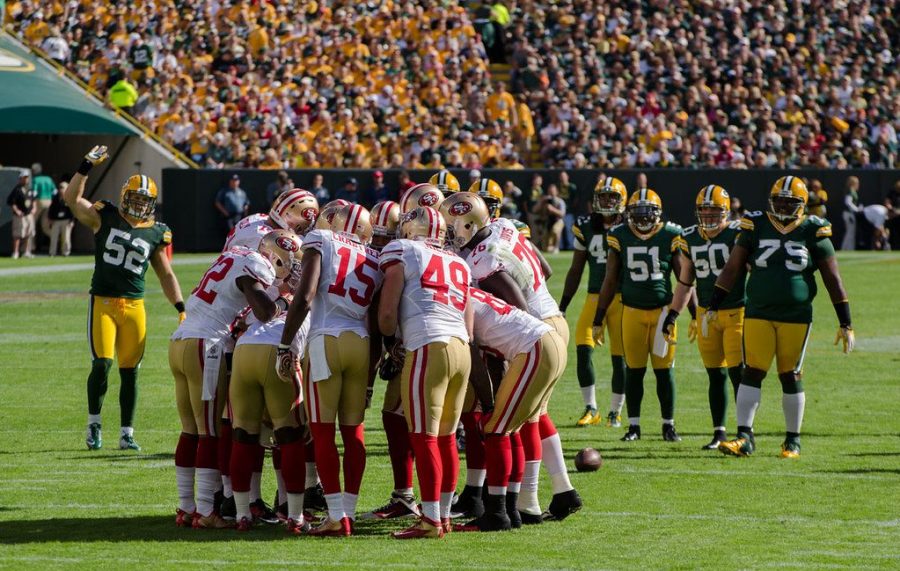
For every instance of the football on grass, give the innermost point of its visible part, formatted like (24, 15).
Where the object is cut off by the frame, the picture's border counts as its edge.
(588, 460)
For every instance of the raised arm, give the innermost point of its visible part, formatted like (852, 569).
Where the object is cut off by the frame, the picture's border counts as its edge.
(167, 280)
(74, 195)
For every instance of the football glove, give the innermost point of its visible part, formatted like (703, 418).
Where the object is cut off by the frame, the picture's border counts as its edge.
(392, 363)
(285, 363)
(181, 316)
(668, 326)
(599, 333)
(692, 331)
(845, 335)
(709, 317)
(96, 155)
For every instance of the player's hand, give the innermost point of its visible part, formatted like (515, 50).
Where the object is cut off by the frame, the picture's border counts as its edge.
(285, 364)
(692, 331)
(181, 316)
(846, 335)
(392, 362)
(668, 326)
(709, 317)
(96, 155)
(599, 333)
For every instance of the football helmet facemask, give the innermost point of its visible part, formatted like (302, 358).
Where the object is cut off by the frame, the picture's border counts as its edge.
(644, 210)
(138, 198)
(610, 197)
(282, 249)
(788, 198)
(466, 214)
(491, 193)
(713, 205)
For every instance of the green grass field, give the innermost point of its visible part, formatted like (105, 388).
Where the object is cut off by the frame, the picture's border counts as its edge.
(652, 505)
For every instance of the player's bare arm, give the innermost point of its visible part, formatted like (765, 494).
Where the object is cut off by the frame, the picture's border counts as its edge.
(74, 195)
(545, 266)
(502, 285)
(167, 279)
(685, 295)
(481, 379)
(262, 307)
(389, 304)
(831, 277)
(610, 283)
(573, 278)
(310, 270)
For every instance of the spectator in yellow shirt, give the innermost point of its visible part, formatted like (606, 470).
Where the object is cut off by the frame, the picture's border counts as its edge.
(501, 106)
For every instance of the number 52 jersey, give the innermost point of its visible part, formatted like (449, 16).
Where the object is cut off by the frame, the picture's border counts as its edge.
(122, 253)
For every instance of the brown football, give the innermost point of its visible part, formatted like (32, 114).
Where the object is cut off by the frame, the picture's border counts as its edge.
(588, 460)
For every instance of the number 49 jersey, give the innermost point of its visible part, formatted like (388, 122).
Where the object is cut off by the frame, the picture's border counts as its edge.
(506, 250)
(646, 264)
(348, 281)
(782, 261)
(709, 256)
(217, 300)
(436, 291)
(122, 253)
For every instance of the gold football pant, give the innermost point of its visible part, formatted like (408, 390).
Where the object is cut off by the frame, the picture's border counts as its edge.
(584, 330)
(525, 387)
(434, 378)
(186, 360)
(765, 340)
(638, 330)
(560, 327)
(255, 389)
(341, 396)
(117, 326)
(722, 347)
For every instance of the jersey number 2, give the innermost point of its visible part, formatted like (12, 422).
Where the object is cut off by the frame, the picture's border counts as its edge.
(215, 274)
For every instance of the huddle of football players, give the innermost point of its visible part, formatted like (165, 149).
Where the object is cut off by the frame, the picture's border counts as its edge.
(280, 342)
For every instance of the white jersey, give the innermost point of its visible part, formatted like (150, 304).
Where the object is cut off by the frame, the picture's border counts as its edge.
(269, 333)
(348, 281)
(435, 294)
(506, 250)
(248, 232)
(503, 329)
(217, 300)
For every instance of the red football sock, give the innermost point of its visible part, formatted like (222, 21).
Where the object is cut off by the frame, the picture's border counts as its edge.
(259, 459)
(328, 463)
(293, 466)
(428, 466)
(186, 450)
(517, 470)
(276, 457)
(354, 456)
(499, 463)
(242, 459)
(225, 448)
(310, 448)
(531, 441)
(207, 452)
(449, 462)
(474, 443)
(399, 449)
(546, 426)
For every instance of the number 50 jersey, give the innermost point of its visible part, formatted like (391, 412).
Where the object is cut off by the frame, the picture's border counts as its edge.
(435, 296)
(122, 253)
(709, 255)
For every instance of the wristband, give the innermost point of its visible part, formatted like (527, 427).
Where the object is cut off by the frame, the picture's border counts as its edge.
(179, 306)
(598, 317)
(842, 308)
(718, 296)
(564, 302)
(692, 310)
(672, 316)
(389, 341)
(85, 167)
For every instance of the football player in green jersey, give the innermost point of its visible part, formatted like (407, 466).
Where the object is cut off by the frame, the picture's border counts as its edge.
(126, 240)
(641, 257)
(608, 205)
(783, 248)
(706, 247)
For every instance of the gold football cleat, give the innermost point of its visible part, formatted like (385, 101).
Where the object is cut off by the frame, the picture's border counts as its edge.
(589, 418)
(790, 450)
(737, 447)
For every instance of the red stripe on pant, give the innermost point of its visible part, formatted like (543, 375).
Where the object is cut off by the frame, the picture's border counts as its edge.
(354, 456)
(328, 463)
(423, 369)
(428, 466)
(517, 470)
(499, 465)
(186, 450)
(399, 449)
(474, 440)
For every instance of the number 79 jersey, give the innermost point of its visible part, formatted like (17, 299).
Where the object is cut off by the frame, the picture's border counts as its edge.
(435, 294)
(646, 264)
(122, 253)
(782, 282)
(348, 281)
(709, 256)
(217, 300)
(506, 250)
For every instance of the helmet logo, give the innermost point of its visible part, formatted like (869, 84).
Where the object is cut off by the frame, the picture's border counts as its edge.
(286, 243)
(310, 214)
(410, 216)
(460, 208)
(429, 199)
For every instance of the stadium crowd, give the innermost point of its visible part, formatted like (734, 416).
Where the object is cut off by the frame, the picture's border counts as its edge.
(390, 84)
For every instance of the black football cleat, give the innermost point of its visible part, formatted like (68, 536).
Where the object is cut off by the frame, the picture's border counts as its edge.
(531, 519)
(493, 519)
(314, 499)
(564, 504)
(515, 518)
(718, 436)
(227, 509)
(218, 499)
(262, 512)
(469, 504)
(669, 434)
(634, 433)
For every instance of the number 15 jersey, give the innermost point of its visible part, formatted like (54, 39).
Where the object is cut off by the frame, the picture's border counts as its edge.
(435, 295)
(348, 281)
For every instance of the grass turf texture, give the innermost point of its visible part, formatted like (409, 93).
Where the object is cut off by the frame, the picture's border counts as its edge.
(652, 505)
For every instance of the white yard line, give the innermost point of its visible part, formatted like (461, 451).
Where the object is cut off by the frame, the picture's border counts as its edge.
(829, 476)
(56, 268)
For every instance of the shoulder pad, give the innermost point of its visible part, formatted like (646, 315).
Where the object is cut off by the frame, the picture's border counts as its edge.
(672, 227)
(735, 225)
(577, 232)
(747, 223)
(101, 205)
(817, 220)
(689, 230)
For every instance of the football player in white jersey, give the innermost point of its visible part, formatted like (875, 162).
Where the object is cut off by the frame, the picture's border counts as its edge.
(338, 285)
(237, 278)
(425, 302)
(504, 263)
(295, 210)
(537, 357)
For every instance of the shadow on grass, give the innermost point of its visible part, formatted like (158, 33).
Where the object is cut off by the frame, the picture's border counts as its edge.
(159, 528)
(865, 471)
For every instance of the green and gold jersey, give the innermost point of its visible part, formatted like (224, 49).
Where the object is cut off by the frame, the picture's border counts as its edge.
(122, 253)
(594, 244)
(646, 264)
(709, 256)
(782, 262)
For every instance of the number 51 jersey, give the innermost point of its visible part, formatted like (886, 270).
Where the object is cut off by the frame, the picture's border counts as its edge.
(435, 296)
(507, 250)
(122, 253)
(646, 263)
(217, 300)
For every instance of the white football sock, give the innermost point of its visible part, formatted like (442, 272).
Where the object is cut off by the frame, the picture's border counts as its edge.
(94, 419)
(335, 506)
(497, 490)
(475, 477)
(719, 429)
(669, 421)
(226, 486)
(590, 396)
(514, 487)
(281, 493)
(184, 477)
(350, 505)
(295, 507)
(747, 402)
(255, 486)
(242, 505)
(793, 406)
(432, 511)
(404, 492)
(634, 421)
(446, 502)
(615, 402)
(555, 463)
(528, 498)
(208, 481)
(312, 477)
(126, 431)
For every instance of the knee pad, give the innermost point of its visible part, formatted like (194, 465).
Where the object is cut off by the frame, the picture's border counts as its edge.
(288, 434)
(790, 383)
(244, 437)
(753, 377)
